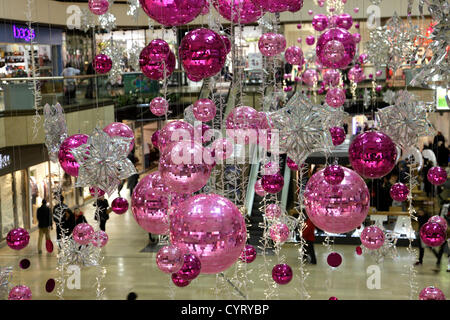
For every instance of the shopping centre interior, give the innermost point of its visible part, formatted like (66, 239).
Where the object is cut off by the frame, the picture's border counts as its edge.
(338, 209)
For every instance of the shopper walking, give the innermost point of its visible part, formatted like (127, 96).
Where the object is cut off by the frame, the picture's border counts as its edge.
(45, 223)
(102, 212)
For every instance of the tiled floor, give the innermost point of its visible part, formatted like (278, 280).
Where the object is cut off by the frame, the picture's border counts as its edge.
(129, 269)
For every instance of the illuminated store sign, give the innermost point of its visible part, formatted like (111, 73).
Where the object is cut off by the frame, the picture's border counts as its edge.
(23, 33)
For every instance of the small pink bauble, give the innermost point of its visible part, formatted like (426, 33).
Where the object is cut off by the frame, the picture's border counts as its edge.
(17, 239)
(334, 174)
(272, 183)
(379, 73)
(440, 220)
(170, 259)
(119, 205)
(299, 40)
(174, 131)
(98, 7)
(399, 192)
(310, 12)
(259, 189)
(333, 298)
(363, 58)
(372, 237)
(172, 13)
(378, 88)
(270, 44)
(335, 97)
(356, 74)
(358, 250)
(433, 234)
(102, 63)
(66, 159)
(159, 106)
(20, 293)
(332, 77)
(437, 176)
(96, 192)
(299, 26)
(291, 164)
(320, 22)
(279, 232)
(99, 239)
(119, 129)
(191, 267)
(282, 273)
(294, 55)
(82, 233)
(248, 255)
(335, 48)
(273, 211)
(337, 135)
(156, 60)
(223, 148)
(344, 21)
(334, 259)
(310, 77)
(310, 40)
(356, 37)
(204, 110)
(178, 281)
(431, 293)
(356, 10)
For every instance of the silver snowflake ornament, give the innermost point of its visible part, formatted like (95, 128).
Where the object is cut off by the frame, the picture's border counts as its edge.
(55, 129)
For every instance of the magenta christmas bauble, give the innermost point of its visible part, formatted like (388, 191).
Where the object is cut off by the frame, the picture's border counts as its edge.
(170, 259)
(437, 176)
(279, 232)
(66, 159)
(344, 21)
(335, 48)
(372, 154)
(238, 11)
(291, 164)
(119, 129)
(433, 234)
(243, 118)
(294, 56)
(332, 77)
(17, 239)
(178, 281)
(159, 106)
(337, 135)
(282, 273)
(335, 97)
(119, 205)
(399, 192)
(310, 77)
(155, 62)
(191, 267)
(99, 238)
(273, 211)
(356, 37)
(98, 7)
(271, 44)
(96, 192)
(356, 74)
(82, 233)
(248, 255)
(334, 174)
(172, 12)
(155, 139)
(102, 63)
(310, 40)
(372, 237)
(175, 131)
(320, 22)
(334, 259)
(272, 183)
(20, 293)
(204, 110)
(439, 220)
(431, 293)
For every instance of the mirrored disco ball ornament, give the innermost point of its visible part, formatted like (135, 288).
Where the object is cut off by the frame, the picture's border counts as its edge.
(337, 208)
(332, 77)
(119, 129)
(282, 273)
(431, 293)
(98, 7)
(20, 293)
(271, 44)
(156, 60)
(174, 131)
(66, 159)
(437, 176)
(335, 48)
(272, 183)
(204, 110)
(238, 11)
(172, 12)
(99, 239)
(310, 77)
(102, 63)
(356, 74)
(170, 259)
(119, 205)
(210, 227)
(310, 40)
(433, 234)
(191, 267)
(248, 255)
(372, 237)
(279, 232)
(337, 135)
(334, 174)
(17, 239)
(159, 106)
(178, 281)
(372, 154)
(439, 220)
(399, 192)
(294, 56)
(82, 233)
(334, 259)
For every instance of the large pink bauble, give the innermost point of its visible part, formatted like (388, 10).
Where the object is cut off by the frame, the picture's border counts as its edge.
(119, 205)
(332, 77)
(172, 12)
(150, 203)
(372, 237)
(272, 183)
(99, 239)
(98, 7)
(223, 149)
(433, 234)
(175, 131)
(243, 118)
(119, 129)
(273, 211)
(259, 189)
(279, 232)
(431, 293)
(437, 176)
(399, 192)
(334, 174)
(178, 281)
(282, 274)
(17, 239)
(211, 227)
(102, 63)
(270, 44)
(243, 11)
(294, 55)
(344, 21)
(372, 154)
(310, 77)
(191, 267)
(279, 5)
(337, 135)
(20, 293)
(248, 255)
(439, 220)
(183, 167)
(340, 208)
(66, 159)
(202, 53)
(170, 259)
(204, 110)
(335, 48)
(320, 22)
(159, 106)
(356, 74)
(335, 97)
(82, 233)
(151, 64)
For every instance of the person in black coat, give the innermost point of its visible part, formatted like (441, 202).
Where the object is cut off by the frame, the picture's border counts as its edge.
(422, 218)
(59, 216)
(45, 223)
(102, 205)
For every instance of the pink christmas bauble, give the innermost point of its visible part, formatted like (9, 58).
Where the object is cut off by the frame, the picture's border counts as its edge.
(439, 220)
(170, 259)
(291, 164)
(150, 203)
(270, 44)
(119, 129)
(372, 154)
(259, 189)
(102, 63)
(82, 233)
(66, 159)
(211, 227)
(356, 74)
(99, 238)
(172, 12)
(175, 131)
(334, 259)
(372, 237)
(310, 40)
(159, 106)
(119, 205)
(183, 166)
(96, 192)
(98, 7)
(399, 192)
(433, 234)
(356, 37)
(272, 183)
(337, 135)
(279, 5)
(294, 56)
(310, 77)
(178, 281)
(282, 274)
(273, 211)
(437, 176)
(334, 174)
(204, 110)
(238, 11)
(340, 208)
(332, 77)
(155, 139)
(335, 97)
(320, 22)
(279, 232)
(202, 53)
(363, 58)
(223, 149)
(344, 21)
(20, 293)
(17, 239)
(155, 61)
(248, 255)
(335, 48)
(431, 293)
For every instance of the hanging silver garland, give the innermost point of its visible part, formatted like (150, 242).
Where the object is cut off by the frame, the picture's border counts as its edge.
(55, 129)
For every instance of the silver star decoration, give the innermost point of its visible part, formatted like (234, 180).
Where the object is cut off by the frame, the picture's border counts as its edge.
(5, 279)
(405, 121)
(55, 129)
(302, 128)
(103, 161)
(334, 116)
(389, 97)
(72, 253)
